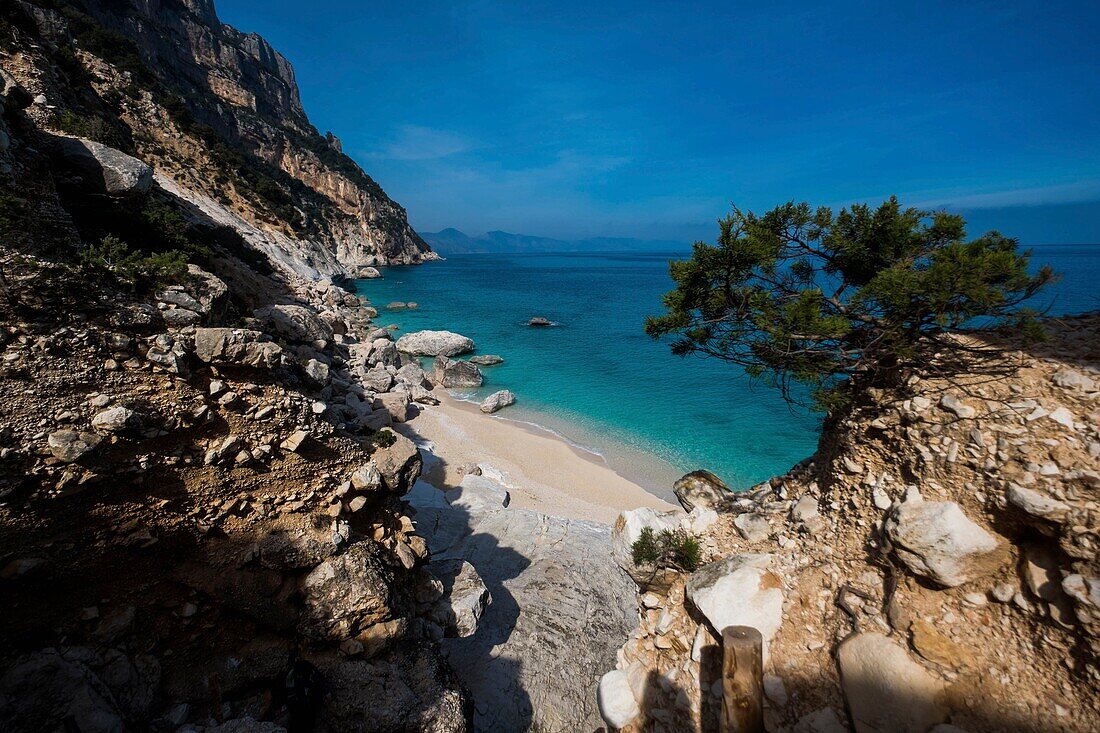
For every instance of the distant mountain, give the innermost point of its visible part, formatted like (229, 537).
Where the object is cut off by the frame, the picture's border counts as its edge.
(452, 241)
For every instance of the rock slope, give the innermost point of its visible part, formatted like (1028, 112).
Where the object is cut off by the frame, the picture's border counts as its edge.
(933, 567)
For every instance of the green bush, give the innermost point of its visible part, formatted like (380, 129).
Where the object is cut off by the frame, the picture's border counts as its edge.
(670, 548)
(114, 258)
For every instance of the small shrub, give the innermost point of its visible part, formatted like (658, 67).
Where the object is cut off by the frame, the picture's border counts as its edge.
(670, 548)
(113, 257)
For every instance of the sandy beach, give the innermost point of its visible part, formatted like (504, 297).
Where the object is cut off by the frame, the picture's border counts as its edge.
(542, 471)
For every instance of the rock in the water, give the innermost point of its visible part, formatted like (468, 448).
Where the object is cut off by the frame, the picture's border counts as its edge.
(887, 691)
(702, 488)
(497, 401)
(70, 445)
(235, 347)
(465, 596)
(345, 594)
(449, 373)
(434, 343)
(122, 174)
(540, 321)
(740, 590)
(937, 540)
(296, 323)
(486, 359)
(618, 706)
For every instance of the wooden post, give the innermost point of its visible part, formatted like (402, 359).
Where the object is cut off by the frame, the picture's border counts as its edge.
(742, 680)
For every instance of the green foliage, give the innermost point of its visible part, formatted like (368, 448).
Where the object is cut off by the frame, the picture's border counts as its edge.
(669, 548)
(113, 258)
(831, 300)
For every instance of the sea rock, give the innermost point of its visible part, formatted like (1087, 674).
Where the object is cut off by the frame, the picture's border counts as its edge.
(368, 273)
(887, 691)
(486, 359)
(236, 347)
(540, 321)
(497, 401)
(295, 323)
(122, 174)
(937, 540)
(465, 596)
(450, 374)
(345, 594)
(702, 488)
(434, 343)
(618, 706)
(740, 590)
(70, 446)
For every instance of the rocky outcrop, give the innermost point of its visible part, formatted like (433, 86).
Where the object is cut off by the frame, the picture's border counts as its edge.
(498, 401)
(451, 373)
(120, 174)
(235, 347)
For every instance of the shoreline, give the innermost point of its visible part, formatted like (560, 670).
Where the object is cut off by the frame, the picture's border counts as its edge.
(542, 470)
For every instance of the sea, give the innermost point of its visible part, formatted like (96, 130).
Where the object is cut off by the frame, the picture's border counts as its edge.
(598, 381)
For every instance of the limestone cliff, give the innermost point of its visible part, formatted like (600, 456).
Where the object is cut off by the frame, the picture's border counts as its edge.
(218, 113)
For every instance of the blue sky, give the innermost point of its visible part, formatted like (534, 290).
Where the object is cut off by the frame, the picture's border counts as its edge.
(576, 119)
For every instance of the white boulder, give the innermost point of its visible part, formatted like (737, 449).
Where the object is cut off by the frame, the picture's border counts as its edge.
(887, 691)
(618, 706)
(740, 590)
(434, 343)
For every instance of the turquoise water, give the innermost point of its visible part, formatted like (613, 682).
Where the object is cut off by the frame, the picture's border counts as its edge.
(601, 383)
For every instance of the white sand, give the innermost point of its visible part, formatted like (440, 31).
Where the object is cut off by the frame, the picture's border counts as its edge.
(542, 471)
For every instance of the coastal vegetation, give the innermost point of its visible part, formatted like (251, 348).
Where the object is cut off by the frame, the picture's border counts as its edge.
(668, 548)
(833, 302)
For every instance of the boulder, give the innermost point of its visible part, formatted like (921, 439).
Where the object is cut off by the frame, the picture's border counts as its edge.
(121, 174)
(464, 599)
(377, 380)
(702, 488)
(383, 352)
(395, 403)
(412, 375)
(295, 323)
(618, 706)
(740, 590)
(434, 343)
(368, 273)
(449, 373)
(497, 401)
(70, 446)
(887, 691)
(753, 527)
(1036, 503)
(235, 347)
(317, 372)
(628, 528)
(181, 317)
(400, 465)
(540, 321)
(210, 291)
(486, 360)
(345, 594)
(935, 539)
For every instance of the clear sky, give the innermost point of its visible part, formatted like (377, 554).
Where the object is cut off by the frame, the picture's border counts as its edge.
(586, 118)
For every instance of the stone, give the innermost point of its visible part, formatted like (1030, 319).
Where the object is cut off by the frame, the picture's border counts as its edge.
(887, 691)
(395, 403)
(824, 720)
(210, 291)
(400, 465)
(412, 375)
(236, 347)
(618, 706)
(1036, 503)
(805, 509)
(934, 646)
(935, 539)
(449, 373)
(434, 343)
(345, 594)
(1063, 417)
(295, 323)
(70, 446)
(486, 359)
(294, 441)
(1072, 379)
(367, 478)
(377, 380)
(477, 494)
(497, 401)
(114, 420)
(540, 321)
(316, 372)
(775, 690)
(953, 404)
(181, 317)
(753, 527)
(121, 174)
(701, 488)
(465, 596)
(740, 590)
(626, 531)
(383, 352)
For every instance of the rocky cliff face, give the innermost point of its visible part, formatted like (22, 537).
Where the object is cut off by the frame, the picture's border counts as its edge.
(217, 112)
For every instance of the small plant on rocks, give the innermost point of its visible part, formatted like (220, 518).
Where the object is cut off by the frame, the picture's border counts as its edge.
(669, 548)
